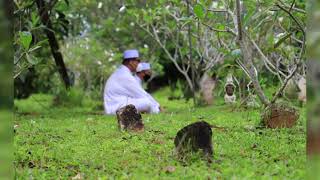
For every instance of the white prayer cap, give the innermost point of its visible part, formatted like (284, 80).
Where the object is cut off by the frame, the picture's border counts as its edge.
(143, 66)
(131, 53)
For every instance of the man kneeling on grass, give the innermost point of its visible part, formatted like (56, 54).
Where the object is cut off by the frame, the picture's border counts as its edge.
(122, 88)
(143, 74)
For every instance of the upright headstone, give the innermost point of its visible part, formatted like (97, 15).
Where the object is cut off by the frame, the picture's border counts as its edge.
(280, 115)
(129, 118)
(207, 85)
(194, 137)
(302, 95)
(229, 87)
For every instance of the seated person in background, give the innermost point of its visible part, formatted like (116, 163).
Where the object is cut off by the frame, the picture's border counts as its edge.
(143, 72)
(122, 89)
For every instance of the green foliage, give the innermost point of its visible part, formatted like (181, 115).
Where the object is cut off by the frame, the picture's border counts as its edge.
(282, 39)
(36, 103)
(25, 39)
(30, 40)
(236, 53)
(70, 98)
(199, 11)
(32, 59)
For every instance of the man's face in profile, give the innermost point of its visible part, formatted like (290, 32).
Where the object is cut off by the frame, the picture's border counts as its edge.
(134, 63)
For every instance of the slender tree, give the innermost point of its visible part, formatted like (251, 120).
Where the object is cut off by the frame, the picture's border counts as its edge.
(45, 19)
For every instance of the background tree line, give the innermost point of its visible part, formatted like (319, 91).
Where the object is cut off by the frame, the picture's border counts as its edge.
(186, 41)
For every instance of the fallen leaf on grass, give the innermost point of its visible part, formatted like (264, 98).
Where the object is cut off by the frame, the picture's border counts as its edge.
(78, 176)
(157, 141)
(242, 152)
(156, 131)
(249, 128)
(254, 146)
(89, 119)
(15, 127)
(31, 164)
(169, 169)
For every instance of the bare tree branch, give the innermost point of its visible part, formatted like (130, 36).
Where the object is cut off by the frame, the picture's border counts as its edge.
(294, 18)
(292, 4)
(238, 10)
(281, 89)
(228, 30)
(218, 10)
(155, 36)
(191, 61)
(293, 8)
(300, 27)
(265, 57)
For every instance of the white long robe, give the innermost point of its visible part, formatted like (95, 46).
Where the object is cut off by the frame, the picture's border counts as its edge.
(139, 80)
(122, 89)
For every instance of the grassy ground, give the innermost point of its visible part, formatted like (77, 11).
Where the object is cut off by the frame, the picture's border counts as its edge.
(61, 143)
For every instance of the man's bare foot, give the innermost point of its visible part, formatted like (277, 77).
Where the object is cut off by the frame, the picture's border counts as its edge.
(162, 109)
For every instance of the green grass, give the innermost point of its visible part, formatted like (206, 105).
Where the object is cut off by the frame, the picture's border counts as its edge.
(61, 142)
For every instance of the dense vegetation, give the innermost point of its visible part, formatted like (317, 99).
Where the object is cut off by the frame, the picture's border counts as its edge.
(184, 40)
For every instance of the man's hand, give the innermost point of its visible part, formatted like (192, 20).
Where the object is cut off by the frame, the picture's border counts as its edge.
(161, 109)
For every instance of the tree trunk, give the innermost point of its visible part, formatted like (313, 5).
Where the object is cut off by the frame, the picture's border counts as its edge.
(45, 19)
(190, 57)
(247, 58)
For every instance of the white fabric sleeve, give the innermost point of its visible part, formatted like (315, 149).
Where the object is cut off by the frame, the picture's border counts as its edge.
(133, 87)
(136, 90)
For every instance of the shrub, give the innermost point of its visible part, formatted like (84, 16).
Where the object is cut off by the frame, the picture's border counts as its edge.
(72, 97)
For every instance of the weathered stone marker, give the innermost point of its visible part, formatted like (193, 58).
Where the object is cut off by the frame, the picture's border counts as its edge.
(280, 116)
(297, 89)
(129, 118)
(302, 95)
(195, 137)
(229, 96)
(229, 88)
(207, 85)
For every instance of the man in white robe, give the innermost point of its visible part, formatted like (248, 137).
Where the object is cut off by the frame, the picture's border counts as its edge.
(122, 88)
